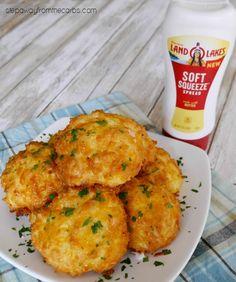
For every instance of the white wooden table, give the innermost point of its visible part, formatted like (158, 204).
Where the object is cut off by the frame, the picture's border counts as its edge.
(49, 61)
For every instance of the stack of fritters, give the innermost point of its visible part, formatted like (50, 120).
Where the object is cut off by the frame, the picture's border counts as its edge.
(97, 188)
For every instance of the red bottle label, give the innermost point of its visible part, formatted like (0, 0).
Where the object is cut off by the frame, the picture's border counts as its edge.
(195, 62)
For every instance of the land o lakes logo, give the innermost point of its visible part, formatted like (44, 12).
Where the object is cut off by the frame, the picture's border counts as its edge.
(197, 55)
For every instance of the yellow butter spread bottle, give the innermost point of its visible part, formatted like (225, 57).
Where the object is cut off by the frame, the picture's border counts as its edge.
(198, 41)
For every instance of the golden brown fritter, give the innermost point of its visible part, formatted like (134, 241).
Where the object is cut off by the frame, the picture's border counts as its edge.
(81, 230)
(29, 178)
(153, 214)
(163, 170)
(101, 148)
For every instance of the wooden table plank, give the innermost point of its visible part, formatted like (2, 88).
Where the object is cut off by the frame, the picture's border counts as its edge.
(224, 91)
(21, 36)
(44, 46)
(10, 20)
(6, 17)
(34, 93)
(223, 149)
(102, 74)
(143, 81)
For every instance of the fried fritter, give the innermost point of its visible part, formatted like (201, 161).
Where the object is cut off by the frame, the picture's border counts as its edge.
(81, 230)
(163, 170)
(101, 148)
(153, 214)
(29, 178)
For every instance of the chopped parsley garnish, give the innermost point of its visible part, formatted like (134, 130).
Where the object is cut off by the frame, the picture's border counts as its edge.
(61, 157)
(83, 192)
(15, 255)
(126, 275)
(180, 161)
(52, 196)
(17, 218)
(29, 250)
(133, 218)
(35, 167)
(166, 252)
(140, 213)
(123, 267)
(123, 195)
(169, 205)
(150, 206)
(145, 190)
(200, 184)
(24, 230)
(158, 263)
(102, 122)
(48, 162)
(100, 280)
(194, 190)
(68, 211)
(73, 152)
(124, 166)
(13, 228)
(110, 215)
(145, 259)
(98, 197)
(126, 261)
(96, 226)
(53, 155)
(29, 243)
(74, 135)
(87, 221)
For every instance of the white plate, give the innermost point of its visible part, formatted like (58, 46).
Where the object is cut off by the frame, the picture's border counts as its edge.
(195, 167)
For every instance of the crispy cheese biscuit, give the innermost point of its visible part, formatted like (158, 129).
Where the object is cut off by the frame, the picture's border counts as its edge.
(153, 214)
(101, 148)
(163, 170)
(29, 178)
(81, 230)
